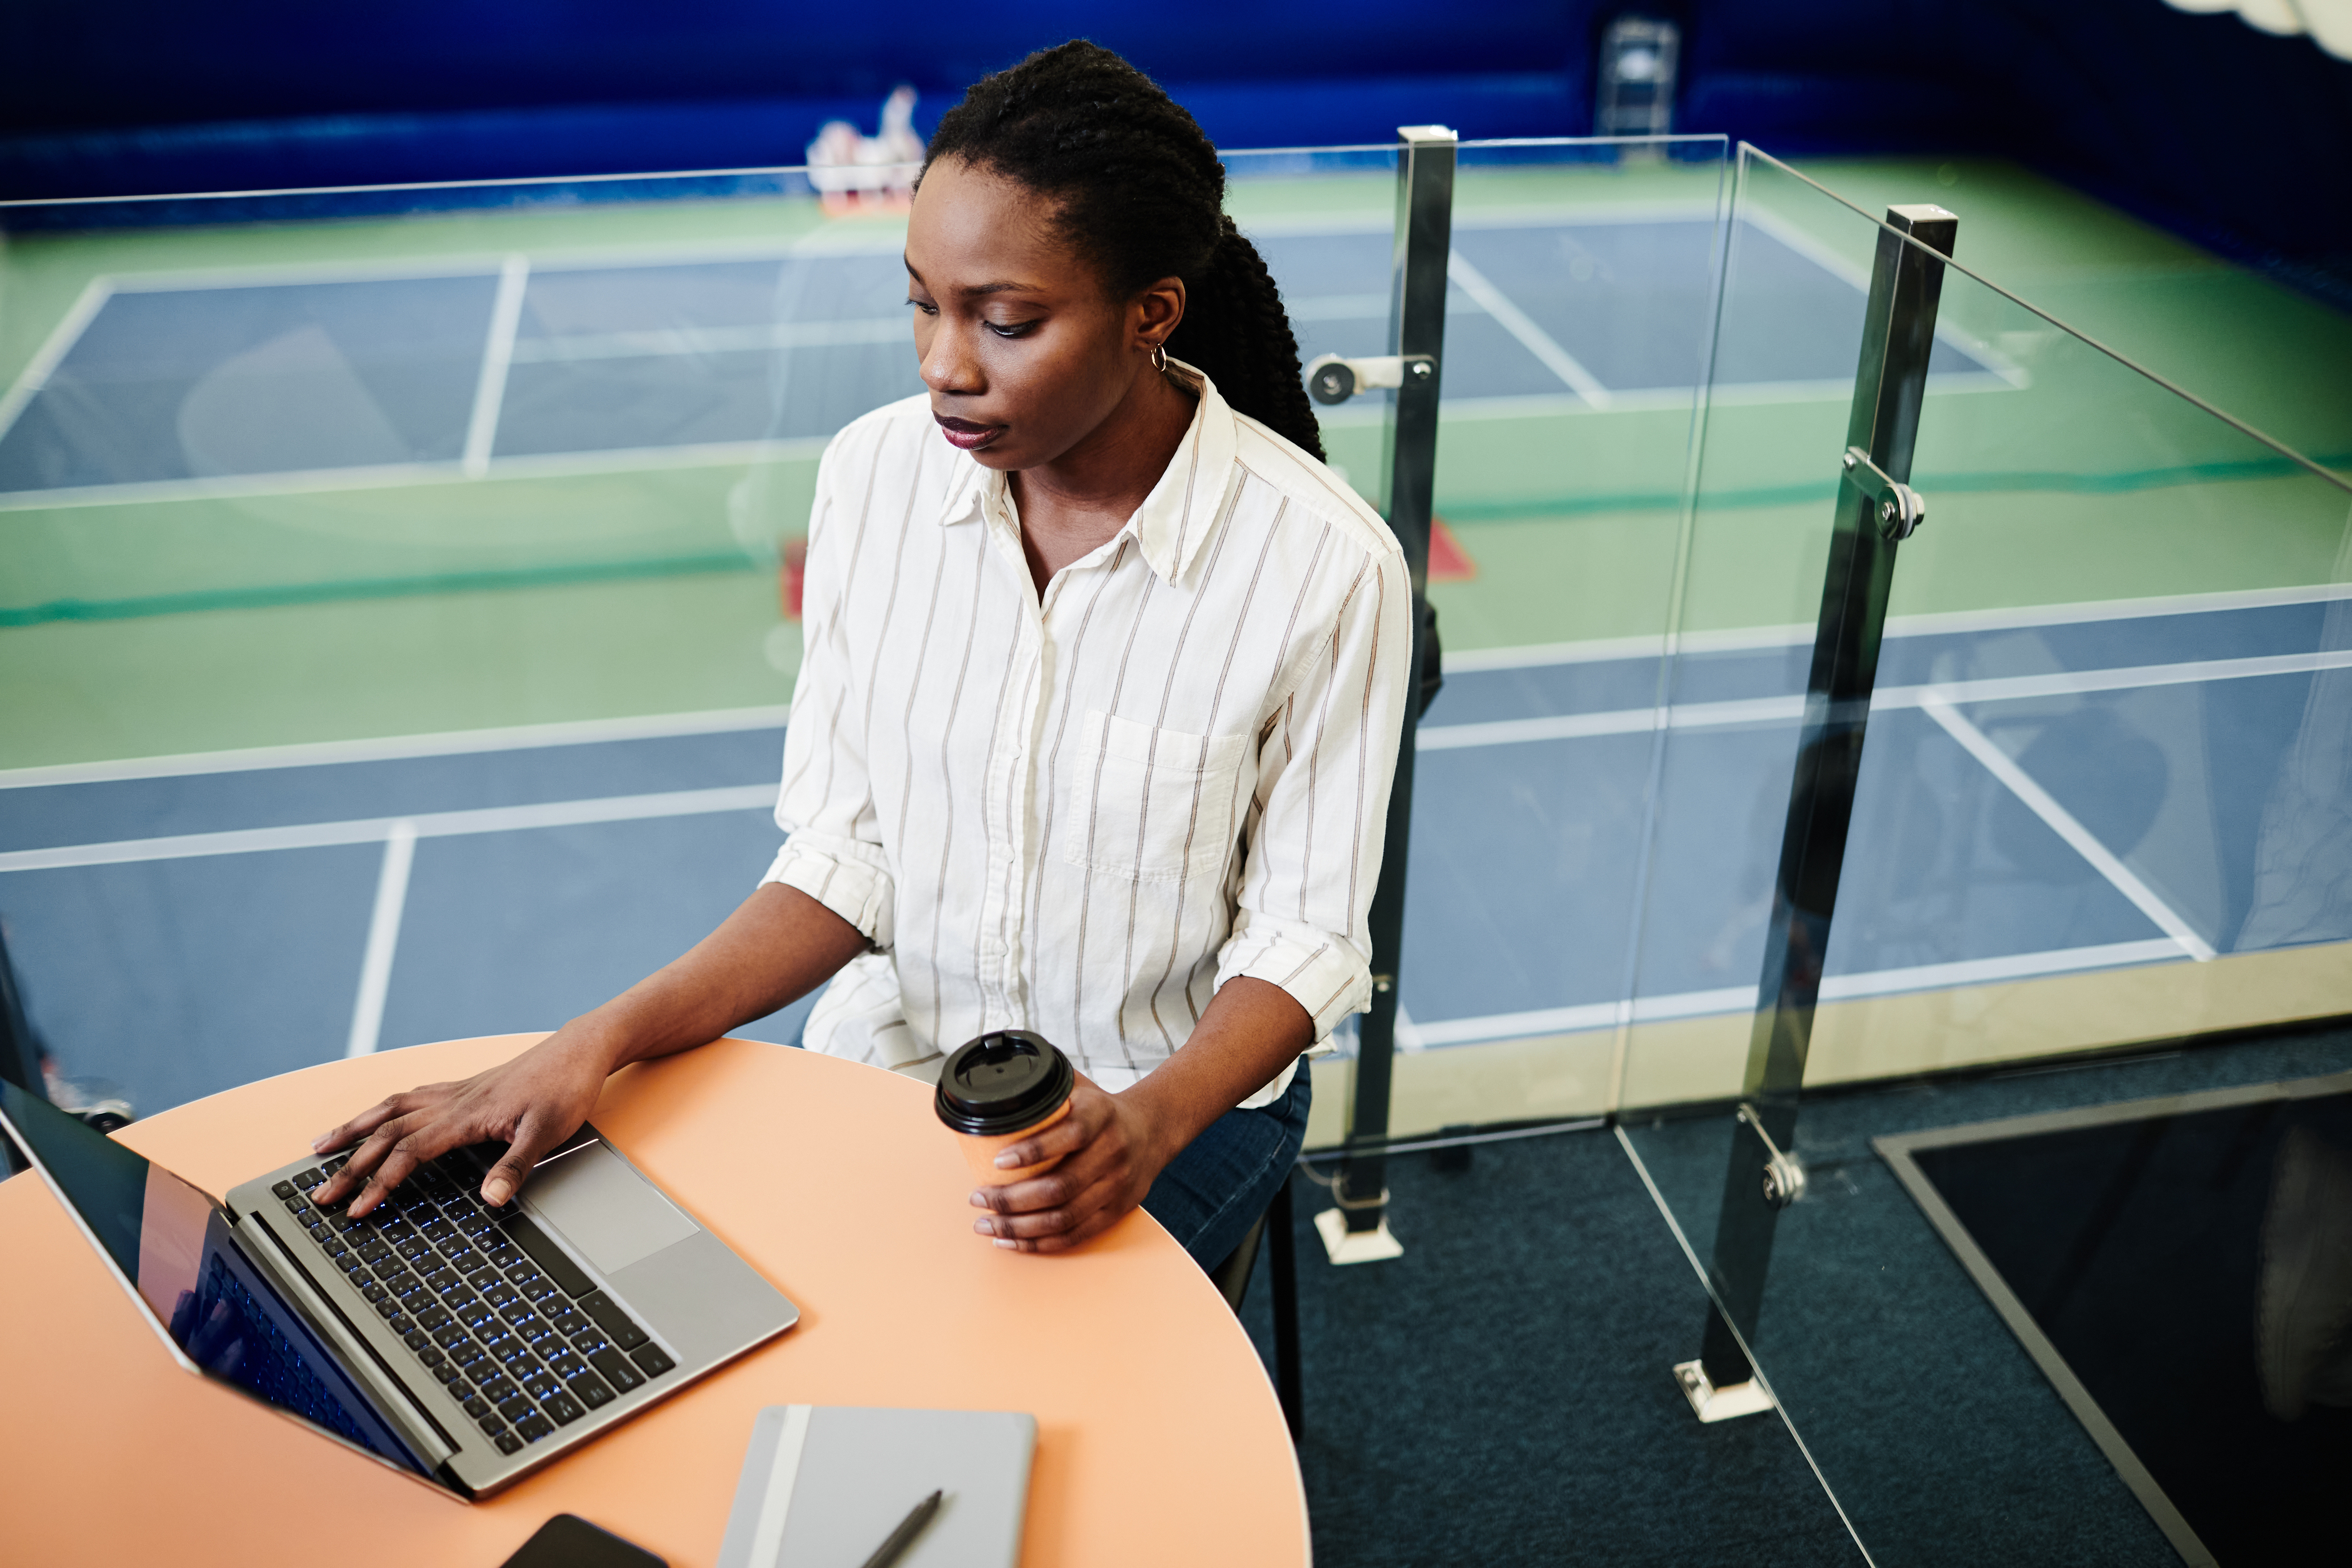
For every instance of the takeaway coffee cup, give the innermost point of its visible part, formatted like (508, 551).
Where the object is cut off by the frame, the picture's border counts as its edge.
(999, 1088)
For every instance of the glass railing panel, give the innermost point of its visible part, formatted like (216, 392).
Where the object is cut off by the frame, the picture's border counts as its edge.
(326, 517)
(323, 467)
(267, 421)
(2100, 806)
(1582, 276)
(1783, 349)
(2074, 500)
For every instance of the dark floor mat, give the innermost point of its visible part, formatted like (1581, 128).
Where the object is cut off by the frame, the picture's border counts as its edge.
(2182, 1269)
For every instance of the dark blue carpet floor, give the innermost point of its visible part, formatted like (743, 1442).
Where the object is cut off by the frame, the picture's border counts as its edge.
(1503, 1393)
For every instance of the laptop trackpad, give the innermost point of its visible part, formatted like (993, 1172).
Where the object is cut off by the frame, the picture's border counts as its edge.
(610, 1212)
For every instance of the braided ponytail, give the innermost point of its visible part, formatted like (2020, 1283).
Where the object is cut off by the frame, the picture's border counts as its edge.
(1235, 329)
(1141, 194)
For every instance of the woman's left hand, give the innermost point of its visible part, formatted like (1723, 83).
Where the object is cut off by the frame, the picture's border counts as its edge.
(1110, 1154)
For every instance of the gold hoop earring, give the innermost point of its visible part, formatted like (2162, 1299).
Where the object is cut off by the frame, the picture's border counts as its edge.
(1159, 358)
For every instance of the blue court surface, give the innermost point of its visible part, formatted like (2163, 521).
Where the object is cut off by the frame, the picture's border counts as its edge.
(162, 379)
(2042, 792)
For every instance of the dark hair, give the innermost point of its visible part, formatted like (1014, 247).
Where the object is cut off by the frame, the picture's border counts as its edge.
(1142, 196)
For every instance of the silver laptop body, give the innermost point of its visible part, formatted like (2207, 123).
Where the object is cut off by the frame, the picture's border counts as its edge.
(466, 1345)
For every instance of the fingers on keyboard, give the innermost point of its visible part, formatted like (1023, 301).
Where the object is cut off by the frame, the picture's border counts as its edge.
(520, 1336)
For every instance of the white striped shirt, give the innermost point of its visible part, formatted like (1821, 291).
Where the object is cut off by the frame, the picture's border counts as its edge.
(1082, 816)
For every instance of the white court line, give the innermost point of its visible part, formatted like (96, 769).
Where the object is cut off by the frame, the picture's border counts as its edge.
(1602, 650)
(1525, 1026)
(526, 182)
(498, 354)
(305, 481)
(1363, 413)
(1606, 216)
(1836, 988)
(2002, 766)
(1939, 623)
(382, 938)
(1380, 223)
(2073, 682)
(53, 351)
(448, 744)
(1887, 699)
(638, 459)
(662, 726)
(1369, 412)
(312, 481)
(295, 274)
(1617, 722)
(1984, 971)
(822, 243)
(376, 830)
(1522, 326)
(694, 341)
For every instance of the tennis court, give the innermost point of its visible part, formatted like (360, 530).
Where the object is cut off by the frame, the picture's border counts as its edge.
(154, 383)
(509, 494)
(217, 925)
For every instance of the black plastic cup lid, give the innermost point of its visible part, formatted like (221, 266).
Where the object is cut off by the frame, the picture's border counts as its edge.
(1002, 1082)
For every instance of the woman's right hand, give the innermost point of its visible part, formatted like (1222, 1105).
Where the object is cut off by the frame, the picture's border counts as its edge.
(532, 1104)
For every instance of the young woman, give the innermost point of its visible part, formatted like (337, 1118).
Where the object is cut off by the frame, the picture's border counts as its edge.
(1095, 728)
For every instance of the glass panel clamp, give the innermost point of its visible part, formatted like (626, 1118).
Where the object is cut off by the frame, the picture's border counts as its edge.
(1900, 509)
(1784, 1179)
(1331, 379)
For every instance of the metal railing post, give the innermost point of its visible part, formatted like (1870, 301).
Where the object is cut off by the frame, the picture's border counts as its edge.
(1876, 510)
(1425, 240)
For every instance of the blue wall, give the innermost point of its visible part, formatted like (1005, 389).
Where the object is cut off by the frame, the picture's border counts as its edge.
(2240, 140)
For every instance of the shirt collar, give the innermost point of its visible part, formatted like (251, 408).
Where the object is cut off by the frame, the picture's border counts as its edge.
(1176, 519)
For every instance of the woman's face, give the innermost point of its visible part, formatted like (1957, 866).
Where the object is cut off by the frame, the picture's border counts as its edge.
(1026, 354)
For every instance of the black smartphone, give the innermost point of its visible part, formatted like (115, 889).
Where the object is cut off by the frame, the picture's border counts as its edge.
(568, 1540)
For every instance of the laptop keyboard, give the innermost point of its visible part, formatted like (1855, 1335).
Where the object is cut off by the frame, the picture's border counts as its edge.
(521, 1341)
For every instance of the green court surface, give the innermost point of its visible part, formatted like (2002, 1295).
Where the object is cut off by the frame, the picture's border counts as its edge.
(212, 614)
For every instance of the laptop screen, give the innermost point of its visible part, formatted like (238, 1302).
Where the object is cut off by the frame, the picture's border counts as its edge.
(150, 1224)
(169, 1244)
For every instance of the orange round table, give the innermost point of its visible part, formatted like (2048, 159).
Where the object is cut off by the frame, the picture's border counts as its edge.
(1159, 1439)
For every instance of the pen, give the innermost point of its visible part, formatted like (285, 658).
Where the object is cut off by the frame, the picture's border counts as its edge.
(904, 1536)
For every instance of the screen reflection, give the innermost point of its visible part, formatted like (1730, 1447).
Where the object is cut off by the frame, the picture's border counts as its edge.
(171, 1246)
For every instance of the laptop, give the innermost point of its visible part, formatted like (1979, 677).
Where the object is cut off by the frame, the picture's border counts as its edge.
(463, 1345)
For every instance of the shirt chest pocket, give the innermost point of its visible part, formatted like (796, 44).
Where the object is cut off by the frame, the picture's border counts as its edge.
(1151, 804)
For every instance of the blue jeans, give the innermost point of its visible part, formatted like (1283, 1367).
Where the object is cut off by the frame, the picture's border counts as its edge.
(1210, 1195)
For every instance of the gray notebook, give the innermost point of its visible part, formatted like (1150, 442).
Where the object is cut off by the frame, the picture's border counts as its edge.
(823, 1484)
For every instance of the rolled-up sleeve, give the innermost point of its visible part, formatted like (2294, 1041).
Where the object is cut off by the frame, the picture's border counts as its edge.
(833, 849)
(1324, 775)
